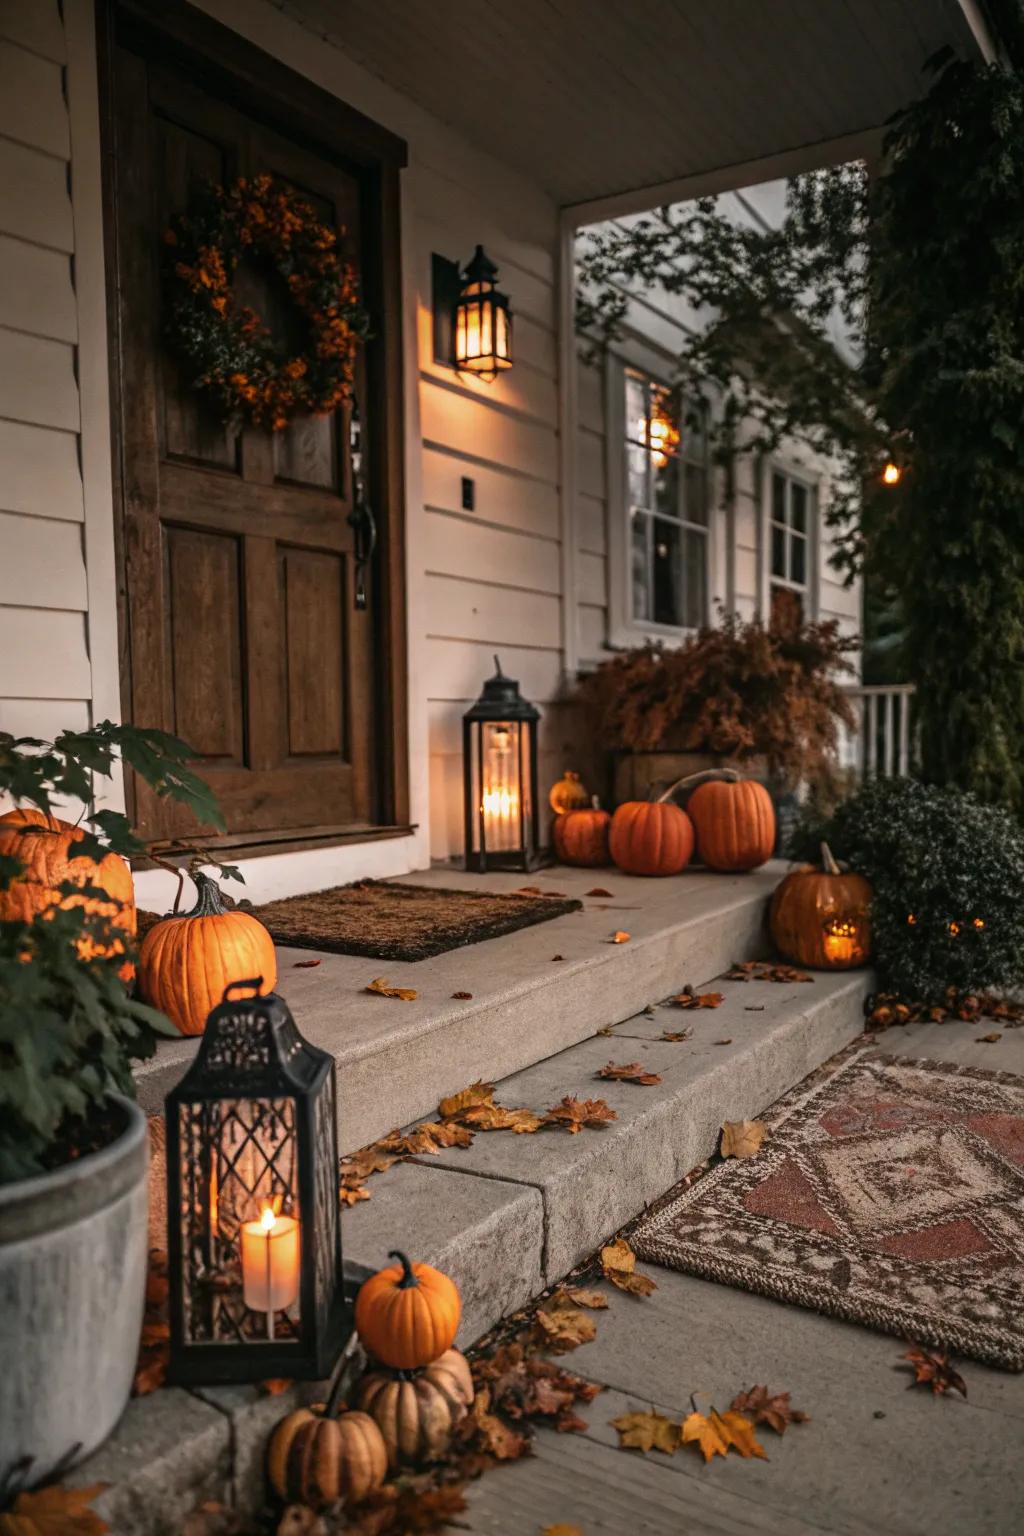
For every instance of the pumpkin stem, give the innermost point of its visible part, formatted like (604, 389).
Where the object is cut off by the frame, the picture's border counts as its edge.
(408, 1279)
(828, 863)
(706, 776)
(595, 802)
(210, 902)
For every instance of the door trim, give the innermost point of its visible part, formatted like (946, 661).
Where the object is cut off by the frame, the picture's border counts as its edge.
(231, 67)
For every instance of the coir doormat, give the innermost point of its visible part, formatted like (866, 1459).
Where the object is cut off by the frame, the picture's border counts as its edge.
(891, 1194)
(402, 922)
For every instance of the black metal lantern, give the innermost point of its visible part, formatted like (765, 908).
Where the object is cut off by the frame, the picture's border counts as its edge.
(483, 321)
(499, 767)
(254, 1228)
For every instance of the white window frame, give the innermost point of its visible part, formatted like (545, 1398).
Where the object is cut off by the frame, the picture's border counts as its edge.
(795, 472)
(623, 629)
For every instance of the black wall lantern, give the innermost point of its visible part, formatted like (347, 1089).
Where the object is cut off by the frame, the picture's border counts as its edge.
(472, 318)
(254, 1229)
(499, 769)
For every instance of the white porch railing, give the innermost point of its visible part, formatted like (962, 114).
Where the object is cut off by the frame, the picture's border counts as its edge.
(883, 740)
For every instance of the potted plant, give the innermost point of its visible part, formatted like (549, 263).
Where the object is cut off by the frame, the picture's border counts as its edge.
(73, 1146)
(767, 699)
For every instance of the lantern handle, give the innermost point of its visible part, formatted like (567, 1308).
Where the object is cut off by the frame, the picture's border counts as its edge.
(255, 982)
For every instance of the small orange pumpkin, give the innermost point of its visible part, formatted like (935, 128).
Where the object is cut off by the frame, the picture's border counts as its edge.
(822, 917)
(46, 857)
(186, 962)
(651, 837)
(407, 1314)
(416, 1412)
(316, 1459)
(568, 794)
(581, 837)
(734, 822)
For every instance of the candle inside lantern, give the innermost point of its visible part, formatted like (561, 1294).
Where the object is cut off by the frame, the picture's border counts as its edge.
(270, 1263)
(500, 799)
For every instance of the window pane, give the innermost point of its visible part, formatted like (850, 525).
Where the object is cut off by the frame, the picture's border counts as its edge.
(779, 498)
(798, 558)
(798, 506)
(695, 578)
(640, 525)
(694, 425)
(779, 551)
(668, 590)
(666, 484)
(639, 462)
(663, 424)
(636, 409)
(695, 494)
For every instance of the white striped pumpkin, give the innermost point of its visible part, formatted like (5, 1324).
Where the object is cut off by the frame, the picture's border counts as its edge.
(318, 1461)
(417, 1413)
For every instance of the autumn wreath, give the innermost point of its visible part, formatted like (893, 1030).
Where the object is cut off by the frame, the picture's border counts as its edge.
(226, 348)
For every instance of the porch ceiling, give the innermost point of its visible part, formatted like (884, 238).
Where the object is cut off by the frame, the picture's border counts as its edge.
(598, 98)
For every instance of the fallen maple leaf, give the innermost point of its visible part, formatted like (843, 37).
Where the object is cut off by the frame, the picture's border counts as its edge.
(632, 1072)
(495, 1117)
(488, 1433)
(934, 1369)
(54, 1511)
(726, 1041)
(742, 1138)
(647, 1432)
(717, 1433)
(557, 957)
(618, 1264)
(598, 890)
(677, 1034)
(351, 1194)
(688, 998)
(560, 1329)
(989, 1039)
(575, 1113)
(771, 1409)
(463, 997)
(467, 1098)
(427, 1139)
(381, 988)
(305, 965)
(620, 936)
(596, 1300)
(756, 970)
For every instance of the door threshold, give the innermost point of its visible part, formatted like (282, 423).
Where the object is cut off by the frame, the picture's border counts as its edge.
(253, 845)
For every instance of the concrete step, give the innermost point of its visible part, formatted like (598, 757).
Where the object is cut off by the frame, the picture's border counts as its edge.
(396, 1059)
(510, 1214)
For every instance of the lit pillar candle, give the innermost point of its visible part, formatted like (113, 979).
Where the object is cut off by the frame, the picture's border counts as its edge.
(270, 1264)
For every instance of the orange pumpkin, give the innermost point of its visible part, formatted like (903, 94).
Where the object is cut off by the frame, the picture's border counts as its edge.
(407, 1314)
(416, 1412)
(316, 1459)
(186, 962)
(734, 822)
(650, 837)
(822, 917)
(47, 861)
(581, 837)
(568, 794)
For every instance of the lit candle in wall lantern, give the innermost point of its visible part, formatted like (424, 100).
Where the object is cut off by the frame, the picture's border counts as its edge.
(270, 1264)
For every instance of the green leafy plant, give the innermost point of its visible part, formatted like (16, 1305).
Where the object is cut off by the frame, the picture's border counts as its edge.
(946, 873)
(737, 690)
(69, 1029)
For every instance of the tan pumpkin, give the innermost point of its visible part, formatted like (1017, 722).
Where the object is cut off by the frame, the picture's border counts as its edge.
(45, 853)
(568, 794)
(733, 820)
(822, 917)
(316, 1459)
(186, 962)
(650, 837)
(417, 1413)
(581, 837)
(407, 1315)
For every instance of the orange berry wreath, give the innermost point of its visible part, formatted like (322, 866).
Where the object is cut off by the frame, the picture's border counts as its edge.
(225, 348)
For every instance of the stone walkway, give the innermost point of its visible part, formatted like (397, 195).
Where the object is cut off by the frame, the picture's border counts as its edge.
(875, 1458)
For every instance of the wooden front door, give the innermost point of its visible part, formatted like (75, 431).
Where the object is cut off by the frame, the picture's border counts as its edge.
(242, 630)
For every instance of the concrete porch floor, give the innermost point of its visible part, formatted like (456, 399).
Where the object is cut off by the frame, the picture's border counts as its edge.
(875, 1460)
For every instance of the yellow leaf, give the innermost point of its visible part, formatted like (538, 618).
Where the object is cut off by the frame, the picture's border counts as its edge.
(55, 1511)
(630, 1072)
(647, 1432)
(495, 1117)
(563, 1328)
(743, 1138)
(716, 1433)
(381, 988)
(467, 1098)
(575, 1113)
(618, 1264)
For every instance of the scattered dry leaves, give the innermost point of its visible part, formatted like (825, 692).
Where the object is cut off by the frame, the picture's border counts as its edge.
(462, 997)
(688, 998)
(300, 1520)
(715, 1434)
(598, 890)
(524, 1386)
(620, 936)
(757, 970)
(676, 1035)
(771, 1408)
(54, 1511)
(155, 1341)
(742, 1138)
(618, 1264)
(726, 1040)
(649, 1431)
(305, 965)
(560, 1329)
(456, 1104)
(475, 1110)
(596, 1300)
(631, 1072)
(887, 1008)
(415, 1506)
(574, 1114)
(990, 1039)
(380, 987)
(933, 1368)
(488, 1433)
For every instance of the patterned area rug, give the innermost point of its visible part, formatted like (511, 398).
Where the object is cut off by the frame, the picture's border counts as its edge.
(402, 922)
(890, 1194)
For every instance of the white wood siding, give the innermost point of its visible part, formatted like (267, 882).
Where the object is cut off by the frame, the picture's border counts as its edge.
(45, 672)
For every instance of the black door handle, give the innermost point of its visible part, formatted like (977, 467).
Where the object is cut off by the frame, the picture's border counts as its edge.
(361, 519)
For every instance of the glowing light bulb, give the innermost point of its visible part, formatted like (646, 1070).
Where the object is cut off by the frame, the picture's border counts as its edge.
(891, 474)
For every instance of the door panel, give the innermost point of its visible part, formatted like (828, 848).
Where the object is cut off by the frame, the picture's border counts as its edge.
(242, 630)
